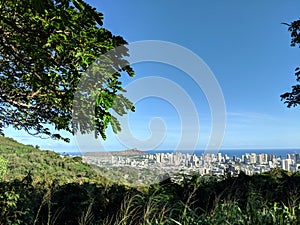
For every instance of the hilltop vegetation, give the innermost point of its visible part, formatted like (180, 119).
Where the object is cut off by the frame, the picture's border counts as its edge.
(38, 189)
(42, 165)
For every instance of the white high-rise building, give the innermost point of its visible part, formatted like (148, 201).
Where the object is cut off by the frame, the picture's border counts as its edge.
(285, 164)
(252, 158)
(219, 157)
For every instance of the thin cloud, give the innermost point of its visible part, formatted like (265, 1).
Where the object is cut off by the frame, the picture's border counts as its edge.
(250, 116)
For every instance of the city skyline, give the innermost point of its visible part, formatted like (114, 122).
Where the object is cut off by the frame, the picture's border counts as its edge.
(152, 166)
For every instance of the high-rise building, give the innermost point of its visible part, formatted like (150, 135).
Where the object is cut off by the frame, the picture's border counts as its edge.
(252, 158)
(261, 158)
(234, 158)
(285, 164)
(219, 157)
(297, 158)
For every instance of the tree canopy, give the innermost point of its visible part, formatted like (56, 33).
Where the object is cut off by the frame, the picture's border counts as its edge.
(292, 98)
(46, 49)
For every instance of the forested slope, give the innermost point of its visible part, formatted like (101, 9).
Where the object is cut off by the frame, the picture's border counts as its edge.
(42, 165)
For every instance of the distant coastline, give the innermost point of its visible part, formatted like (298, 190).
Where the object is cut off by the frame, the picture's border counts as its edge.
(229, 152)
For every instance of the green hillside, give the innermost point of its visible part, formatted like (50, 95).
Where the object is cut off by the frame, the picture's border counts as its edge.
(42, 165)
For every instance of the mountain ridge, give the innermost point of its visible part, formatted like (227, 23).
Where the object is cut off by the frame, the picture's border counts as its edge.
(128, 152)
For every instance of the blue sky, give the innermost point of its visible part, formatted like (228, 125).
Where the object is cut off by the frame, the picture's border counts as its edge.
(246, 47)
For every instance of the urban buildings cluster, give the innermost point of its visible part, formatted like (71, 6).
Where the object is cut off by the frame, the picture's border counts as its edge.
(213, 164)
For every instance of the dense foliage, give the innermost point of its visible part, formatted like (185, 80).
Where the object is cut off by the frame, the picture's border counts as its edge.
(47, 48)
(293, 98)
(49, 198)
(21, 160)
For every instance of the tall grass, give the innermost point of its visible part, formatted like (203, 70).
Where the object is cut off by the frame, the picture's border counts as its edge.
(156, 211)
